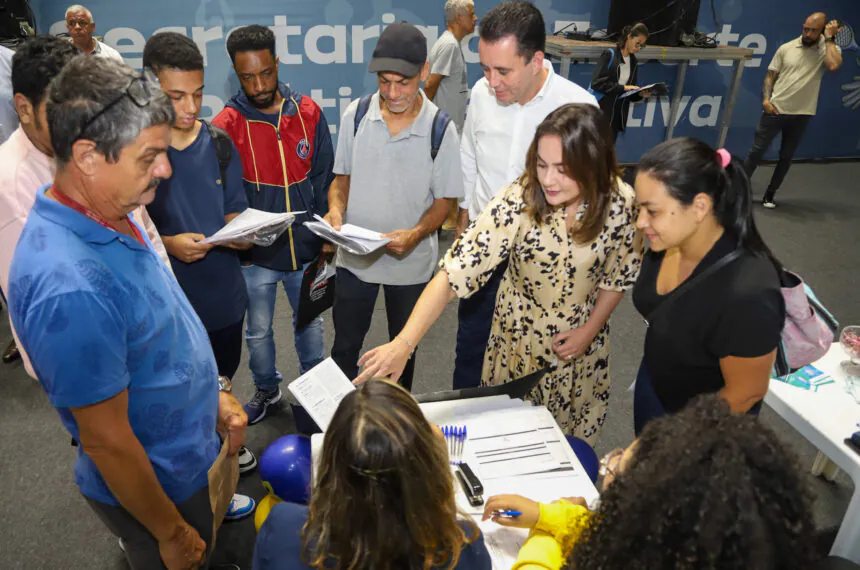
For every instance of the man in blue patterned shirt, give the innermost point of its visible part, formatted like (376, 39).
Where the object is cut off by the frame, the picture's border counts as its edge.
(112, 338)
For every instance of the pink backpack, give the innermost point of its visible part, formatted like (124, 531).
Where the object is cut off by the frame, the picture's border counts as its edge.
(809, 328)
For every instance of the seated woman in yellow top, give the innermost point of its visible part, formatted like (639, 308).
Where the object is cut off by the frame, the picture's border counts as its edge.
(703, 489)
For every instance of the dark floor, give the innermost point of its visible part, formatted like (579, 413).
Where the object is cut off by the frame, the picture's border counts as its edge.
(45, 524)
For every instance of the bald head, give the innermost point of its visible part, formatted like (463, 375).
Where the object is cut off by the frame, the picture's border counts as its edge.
(813, 27)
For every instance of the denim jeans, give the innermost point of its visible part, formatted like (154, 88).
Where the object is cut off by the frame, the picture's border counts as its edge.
(262, 286)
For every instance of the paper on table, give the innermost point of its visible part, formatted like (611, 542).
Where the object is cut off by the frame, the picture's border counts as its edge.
(354, 239)
(540, 487)
(249, 222)
(320, 390)
(503, 543)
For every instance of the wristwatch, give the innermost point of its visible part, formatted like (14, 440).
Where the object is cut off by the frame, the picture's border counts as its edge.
(224, 384)
(830, 39)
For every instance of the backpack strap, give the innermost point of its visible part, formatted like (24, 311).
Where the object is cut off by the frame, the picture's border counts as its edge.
(223, 150)
(440, 125)
(691, 283)
(363, 106)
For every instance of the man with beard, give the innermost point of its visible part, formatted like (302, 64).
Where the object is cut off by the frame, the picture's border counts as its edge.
(286, 152)
(790, 95)
(398, 171)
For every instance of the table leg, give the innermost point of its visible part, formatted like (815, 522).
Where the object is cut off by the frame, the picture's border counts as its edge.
(564, 66)
(676, 98)
(730, 102)
(847, 543)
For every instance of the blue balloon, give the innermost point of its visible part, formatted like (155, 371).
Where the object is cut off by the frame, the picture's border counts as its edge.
(586, 456)
(285, 468)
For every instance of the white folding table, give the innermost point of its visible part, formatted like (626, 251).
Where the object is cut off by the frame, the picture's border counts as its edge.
(826, 418)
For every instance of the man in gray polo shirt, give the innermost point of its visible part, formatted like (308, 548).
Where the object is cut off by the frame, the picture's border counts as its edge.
(387, 180)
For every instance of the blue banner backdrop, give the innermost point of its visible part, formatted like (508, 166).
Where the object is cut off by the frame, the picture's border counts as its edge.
(324, 48)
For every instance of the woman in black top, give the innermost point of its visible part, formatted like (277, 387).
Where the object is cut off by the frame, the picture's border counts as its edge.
(721, 333)
(615, 73)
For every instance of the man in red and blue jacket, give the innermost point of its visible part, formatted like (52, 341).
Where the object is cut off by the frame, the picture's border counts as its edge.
(287, 156)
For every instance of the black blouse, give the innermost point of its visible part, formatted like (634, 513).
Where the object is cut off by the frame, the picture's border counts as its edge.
(737, 311)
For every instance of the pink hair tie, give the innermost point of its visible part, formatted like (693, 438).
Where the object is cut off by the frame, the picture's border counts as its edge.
(725, 157)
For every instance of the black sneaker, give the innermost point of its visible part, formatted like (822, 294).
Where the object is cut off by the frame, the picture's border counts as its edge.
(256, 408)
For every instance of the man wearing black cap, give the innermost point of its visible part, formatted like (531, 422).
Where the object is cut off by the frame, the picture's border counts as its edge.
(397, 171)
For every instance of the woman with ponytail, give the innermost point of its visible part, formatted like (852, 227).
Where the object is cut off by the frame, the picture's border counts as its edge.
(709, 288)
(616, 72)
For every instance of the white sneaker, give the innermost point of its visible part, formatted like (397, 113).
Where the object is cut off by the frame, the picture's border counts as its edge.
(240, 507)
(247, 461)
(768, 203)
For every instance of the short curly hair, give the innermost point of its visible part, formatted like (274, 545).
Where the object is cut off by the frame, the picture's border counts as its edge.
(36, 62)
(705, 489)
(250, 38)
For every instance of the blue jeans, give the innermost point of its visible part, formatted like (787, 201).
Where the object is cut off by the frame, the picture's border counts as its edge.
(262, 286)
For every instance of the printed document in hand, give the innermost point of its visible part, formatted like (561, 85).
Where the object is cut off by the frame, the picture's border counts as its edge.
(250, 222)
(320, 390)
(356, 240)
(656, 89)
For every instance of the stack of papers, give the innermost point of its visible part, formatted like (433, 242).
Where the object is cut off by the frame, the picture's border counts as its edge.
(356, 240)
(251, 222)
(320, 391)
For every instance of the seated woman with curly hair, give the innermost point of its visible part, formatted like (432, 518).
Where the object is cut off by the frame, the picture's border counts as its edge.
(703, 489)
(383, 499)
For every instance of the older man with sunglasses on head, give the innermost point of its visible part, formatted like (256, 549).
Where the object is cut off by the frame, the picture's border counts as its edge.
(112, 338)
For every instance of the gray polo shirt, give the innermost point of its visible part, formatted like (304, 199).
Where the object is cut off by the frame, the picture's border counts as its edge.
(446, 59)
(393, 182)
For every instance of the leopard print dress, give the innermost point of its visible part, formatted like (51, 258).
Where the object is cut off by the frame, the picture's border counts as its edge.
(550, 286)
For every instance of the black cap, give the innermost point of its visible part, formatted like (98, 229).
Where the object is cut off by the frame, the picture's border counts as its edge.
(401, 48)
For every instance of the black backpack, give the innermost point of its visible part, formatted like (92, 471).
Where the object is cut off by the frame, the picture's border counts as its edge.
(223, 149)
(440, 124)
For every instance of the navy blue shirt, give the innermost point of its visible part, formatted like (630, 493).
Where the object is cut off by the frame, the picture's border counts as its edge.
(193, 200)
(279, 543)
(100, 313)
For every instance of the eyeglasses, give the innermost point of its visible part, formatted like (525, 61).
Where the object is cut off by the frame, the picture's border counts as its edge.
(81, 23)
(609, 463)
(137, 90)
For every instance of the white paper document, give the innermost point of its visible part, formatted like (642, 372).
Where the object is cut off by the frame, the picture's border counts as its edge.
(354, 239)
(248, 223)
(514, 442)
(320, 391)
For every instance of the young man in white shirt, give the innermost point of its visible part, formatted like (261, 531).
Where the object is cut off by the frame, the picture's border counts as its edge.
(518, 90)
(81, 25)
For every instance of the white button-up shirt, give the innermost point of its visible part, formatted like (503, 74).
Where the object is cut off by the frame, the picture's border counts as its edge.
(497, 137)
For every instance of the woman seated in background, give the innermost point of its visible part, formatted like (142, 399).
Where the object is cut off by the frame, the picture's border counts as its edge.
(567, 230)
(383, 497)
(617, 72)
(703, 489)
(714, 333)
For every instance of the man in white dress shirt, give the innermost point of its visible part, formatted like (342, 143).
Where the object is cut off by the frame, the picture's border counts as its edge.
(81, 25)
(518, 90)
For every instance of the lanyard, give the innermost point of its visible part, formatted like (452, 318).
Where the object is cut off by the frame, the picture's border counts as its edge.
(81, 209)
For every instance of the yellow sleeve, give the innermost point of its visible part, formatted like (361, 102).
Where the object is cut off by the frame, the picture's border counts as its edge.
(549, 543)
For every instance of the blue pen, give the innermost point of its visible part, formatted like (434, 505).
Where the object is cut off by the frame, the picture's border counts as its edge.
(508, 514)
